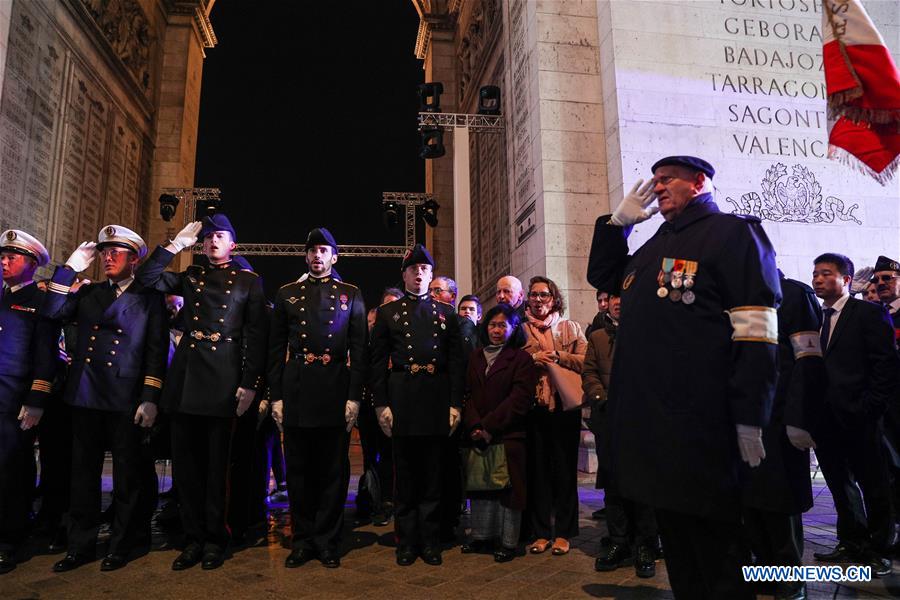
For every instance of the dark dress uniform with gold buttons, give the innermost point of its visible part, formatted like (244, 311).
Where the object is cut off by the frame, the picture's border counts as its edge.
(28, 363)
(119, 363)
(420, 337)
(692, 361)
(223, 348)
(317, 324)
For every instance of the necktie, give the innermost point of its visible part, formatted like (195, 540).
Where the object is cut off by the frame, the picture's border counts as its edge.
(826, 327)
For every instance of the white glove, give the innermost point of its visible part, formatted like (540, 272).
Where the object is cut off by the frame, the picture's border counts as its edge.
(145, 414)
(83, 256)
(750, 444)
(385, 419)
(277, 414)
(187, 237)
(244, 399)
(351, 413)
(454, 419)
(30, 417)
(633, 208)
(799, 438)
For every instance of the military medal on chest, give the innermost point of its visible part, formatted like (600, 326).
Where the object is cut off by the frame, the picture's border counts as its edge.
(676, 280)
(344, 299)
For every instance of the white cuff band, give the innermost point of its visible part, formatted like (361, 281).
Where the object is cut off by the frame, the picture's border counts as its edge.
(754, 324)
(806, 343)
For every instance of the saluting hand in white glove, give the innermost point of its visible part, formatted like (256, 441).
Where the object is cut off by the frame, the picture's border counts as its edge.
(634, 207)
(186, 238)
(83, 256)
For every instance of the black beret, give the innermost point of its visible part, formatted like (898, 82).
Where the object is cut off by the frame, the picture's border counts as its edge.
(886, 264)
(217, 222)
(691, 162)
(417, 255)
(321, 237)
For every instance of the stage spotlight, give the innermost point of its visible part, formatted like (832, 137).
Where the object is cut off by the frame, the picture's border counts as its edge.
(391, 216)
(432, 142)
(429, 212)
(430, 97)
(489, 100)
(168, 204)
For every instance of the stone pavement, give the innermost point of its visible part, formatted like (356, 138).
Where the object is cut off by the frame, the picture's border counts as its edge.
(369, 570)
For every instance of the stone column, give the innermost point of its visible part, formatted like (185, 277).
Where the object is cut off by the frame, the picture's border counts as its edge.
(5, 17)
(569, 152)
(175, 139)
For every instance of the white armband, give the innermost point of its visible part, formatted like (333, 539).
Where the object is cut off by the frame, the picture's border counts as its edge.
(806, 343)
(754, 324)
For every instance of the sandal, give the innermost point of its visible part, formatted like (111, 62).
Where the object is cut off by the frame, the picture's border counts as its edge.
(560, 546)
(539, 546)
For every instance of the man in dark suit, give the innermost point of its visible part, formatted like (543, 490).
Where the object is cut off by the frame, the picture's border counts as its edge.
(214, 375)
(777, 492)
(113, 388)
(28, 362)
(862, 369)
(317, 324)
(418, 401)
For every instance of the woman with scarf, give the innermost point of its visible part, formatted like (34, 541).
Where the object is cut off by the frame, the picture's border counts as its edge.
(501, 379)
(553, 433)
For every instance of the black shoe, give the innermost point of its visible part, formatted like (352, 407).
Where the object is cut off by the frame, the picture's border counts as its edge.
(503, 554)
(189, 557)
(299, 557)
(330, 559)
(881, 567)
(432, 555)
(59, 541)
(477, 547)
(212, 559)
(612, 556)
(381, 519)
(113, 562)
(405, 557)
(790, 591)
(841, 553)
(599, 514)
(7, 561)
(71, 561)
(645, 562)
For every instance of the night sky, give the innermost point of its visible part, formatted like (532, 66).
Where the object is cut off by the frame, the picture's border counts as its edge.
(307, 113)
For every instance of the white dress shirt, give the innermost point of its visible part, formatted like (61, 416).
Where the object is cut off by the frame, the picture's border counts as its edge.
(838, 306)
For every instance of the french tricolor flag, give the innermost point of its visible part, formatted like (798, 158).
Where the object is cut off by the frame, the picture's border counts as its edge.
(863, 91)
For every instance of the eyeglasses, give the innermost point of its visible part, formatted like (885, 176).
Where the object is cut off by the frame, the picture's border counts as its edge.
(112, 252)
(883, 278)
(541, 295)
(437, 290)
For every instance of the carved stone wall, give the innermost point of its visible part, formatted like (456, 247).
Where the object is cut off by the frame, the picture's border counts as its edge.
(79, 114)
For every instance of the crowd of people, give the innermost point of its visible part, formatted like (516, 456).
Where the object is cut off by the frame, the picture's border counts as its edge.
(706, 377)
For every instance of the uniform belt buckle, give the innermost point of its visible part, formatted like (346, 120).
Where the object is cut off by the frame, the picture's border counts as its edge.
(309, 358)
(415, 368)
(215, 337)
(197, 335)
(325, 358)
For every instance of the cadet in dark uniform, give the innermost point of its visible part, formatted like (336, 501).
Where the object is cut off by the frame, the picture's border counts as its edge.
(214, 375)
(779, 490)
(418, 401)
(317, 324)
(113, 388)
(28, 361)
(694, 372)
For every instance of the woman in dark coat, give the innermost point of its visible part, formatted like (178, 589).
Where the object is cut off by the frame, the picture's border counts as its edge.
(501, 380)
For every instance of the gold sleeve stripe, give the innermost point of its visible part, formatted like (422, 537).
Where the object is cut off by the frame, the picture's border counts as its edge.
(153, 382)
(58, 288)
(806, 343)
(754, 324)
(40, 385)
